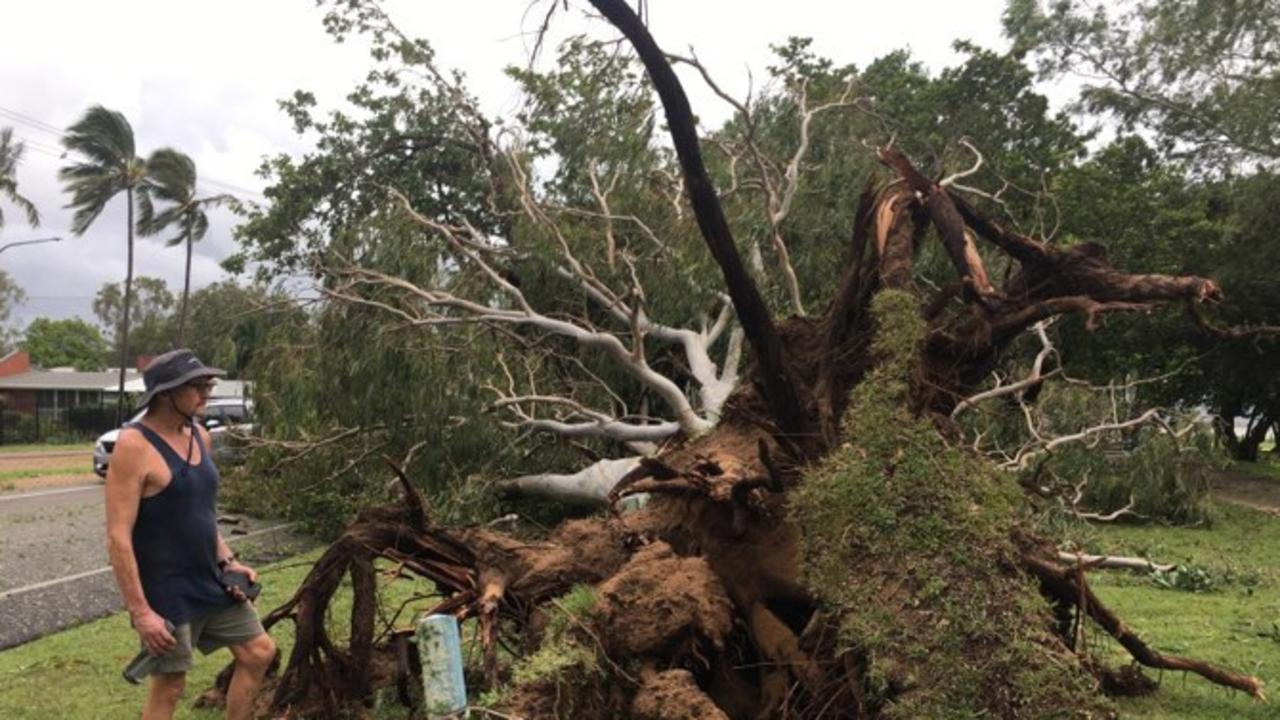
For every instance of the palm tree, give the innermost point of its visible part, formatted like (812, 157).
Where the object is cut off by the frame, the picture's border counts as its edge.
(172, 178)
(108, 166)
(10, 156)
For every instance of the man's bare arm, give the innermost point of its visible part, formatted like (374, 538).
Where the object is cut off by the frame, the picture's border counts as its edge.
(125, 481)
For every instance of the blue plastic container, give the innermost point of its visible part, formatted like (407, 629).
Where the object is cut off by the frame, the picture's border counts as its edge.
(444, 690)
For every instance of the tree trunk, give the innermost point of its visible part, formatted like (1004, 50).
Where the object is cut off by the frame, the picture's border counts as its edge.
(1246, 450)
(180, 336)
(124, 319)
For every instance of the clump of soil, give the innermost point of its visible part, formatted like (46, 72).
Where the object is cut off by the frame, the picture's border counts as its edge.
(665, 606)
(673, 695)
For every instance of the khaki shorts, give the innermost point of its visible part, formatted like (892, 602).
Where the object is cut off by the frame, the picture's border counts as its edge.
(232, 625)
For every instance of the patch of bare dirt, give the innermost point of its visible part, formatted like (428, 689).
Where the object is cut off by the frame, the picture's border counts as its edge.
(1242, 488)
(42, 482)
(34, 462)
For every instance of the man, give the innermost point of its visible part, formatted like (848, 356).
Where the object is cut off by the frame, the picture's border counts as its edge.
(162, 535)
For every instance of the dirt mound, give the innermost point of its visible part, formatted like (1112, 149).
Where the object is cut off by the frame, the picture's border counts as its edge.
(664, 605)
(673, 695)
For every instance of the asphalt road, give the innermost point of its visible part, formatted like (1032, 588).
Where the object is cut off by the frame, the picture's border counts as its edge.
(54, 571)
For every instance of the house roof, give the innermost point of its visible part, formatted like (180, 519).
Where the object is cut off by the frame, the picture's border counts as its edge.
(67, 380)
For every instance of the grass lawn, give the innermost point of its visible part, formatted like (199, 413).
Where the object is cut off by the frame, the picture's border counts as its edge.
(1235, 624)
(75, 675)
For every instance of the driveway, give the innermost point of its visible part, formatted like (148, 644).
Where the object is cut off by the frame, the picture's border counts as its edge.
(54, 570)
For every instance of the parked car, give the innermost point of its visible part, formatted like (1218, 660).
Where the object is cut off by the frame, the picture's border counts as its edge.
(221, 415)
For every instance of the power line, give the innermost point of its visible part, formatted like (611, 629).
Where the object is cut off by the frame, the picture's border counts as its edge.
(37, 124)
(28, 120)
(207, 185)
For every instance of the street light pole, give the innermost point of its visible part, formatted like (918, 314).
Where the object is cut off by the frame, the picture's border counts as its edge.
(29, 242)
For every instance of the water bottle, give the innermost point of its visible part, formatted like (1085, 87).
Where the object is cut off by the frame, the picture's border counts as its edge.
(144, 662)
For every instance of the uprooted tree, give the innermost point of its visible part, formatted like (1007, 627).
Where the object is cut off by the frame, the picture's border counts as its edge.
(820, 540)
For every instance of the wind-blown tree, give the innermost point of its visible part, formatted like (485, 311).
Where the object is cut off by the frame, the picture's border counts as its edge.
(10, 157)
(820, 541)
(106, 163)
(171, 178)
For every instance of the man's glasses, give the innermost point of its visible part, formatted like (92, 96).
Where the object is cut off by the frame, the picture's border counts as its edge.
(204, 388)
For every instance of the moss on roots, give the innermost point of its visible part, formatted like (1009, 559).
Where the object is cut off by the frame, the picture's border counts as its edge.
(907, 539)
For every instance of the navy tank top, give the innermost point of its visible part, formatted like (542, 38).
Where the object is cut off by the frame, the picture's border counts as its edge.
(175, 538)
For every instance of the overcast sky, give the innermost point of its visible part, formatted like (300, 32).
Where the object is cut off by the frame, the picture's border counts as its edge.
(205, 78)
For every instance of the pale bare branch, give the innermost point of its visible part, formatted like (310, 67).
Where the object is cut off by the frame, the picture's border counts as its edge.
(977, 165)
(1112, 562)
(1034, 377)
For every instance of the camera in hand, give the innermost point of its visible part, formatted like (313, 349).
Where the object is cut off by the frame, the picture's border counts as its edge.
(238, 580)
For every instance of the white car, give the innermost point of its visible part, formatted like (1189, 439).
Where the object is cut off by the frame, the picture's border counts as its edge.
(219, 414)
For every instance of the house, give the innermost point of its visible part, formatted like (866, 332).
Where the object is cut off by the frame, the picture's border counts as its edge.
(38, 403)
(28, 390)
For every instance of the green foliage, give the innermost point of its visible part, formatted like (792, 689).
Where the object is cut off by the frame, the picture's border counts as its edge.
(907, 539)
(150, 316)
(1201, 75)
(348, 369)
(171, 178)
(1153, 219)
(10, 157)
(1166, 478)
(10, 295)
(1187, 579)
(988, 99)
(229, 323)
(65, 343)
(1198, 78)
(410, 130)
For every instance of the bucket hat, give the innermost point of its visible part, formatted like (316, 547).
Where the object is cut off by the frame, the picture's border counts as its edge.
(170, 370)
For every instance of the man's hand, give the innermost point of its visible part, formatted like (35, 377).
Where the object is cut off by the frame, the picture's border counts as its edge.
(237, 566)
(156, 638)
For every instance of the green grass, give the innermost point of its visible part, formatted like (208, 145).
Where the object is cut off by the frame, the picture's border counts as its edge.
(75, 675)
(1267, 467)
(1236, 625)
(46, 447)
(44, 472)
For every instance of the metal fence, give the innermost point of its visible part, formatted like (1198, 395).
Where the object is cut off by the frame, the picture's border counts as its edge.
(49, 424)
